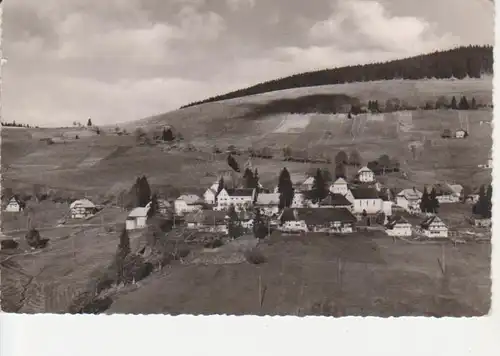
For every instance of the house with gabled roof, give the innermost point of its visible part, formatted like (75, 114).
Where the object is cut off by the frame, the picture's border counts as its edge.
(409, 200)
(307, 185)
(446, 194)
(82, 209)
(366, 175)
(15, 205)
(331, 220)
(164, 206)
(137, 218)
(434, 227)
(366, 201)
(398, 226)
(241, 198)
(336, 201)
(207, 220)
(188, 203)
(268, 203)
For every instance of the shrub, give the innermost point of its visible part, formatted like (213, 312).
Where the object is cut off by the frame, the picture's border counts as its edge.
(9, 244)
(255, 257)
(214, 244)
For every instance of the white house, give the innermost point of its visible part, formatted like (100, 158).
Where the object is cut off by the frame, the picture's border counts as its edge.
(398, 226)
(461, 133)
(331, 220)
(307, 184)
(15, 205)
(433, 227)
(163, 206)
(137, 218)
(299, 200)
(367, 200)
(210, 196)
(242, 199)
(446, 194)
(366, 175)
(340, 186)
(268, 203)
(207, 220)
(409, 200)
(291, 222)
(187, 203)
(82, 209)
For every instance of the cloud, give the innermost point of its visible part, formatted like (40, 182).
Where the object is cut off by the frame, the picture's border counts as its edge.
(367, 24)
(238, 5)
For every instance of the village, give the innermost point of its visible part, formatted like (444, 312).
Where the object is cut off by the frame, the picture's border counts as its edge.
(234, 205)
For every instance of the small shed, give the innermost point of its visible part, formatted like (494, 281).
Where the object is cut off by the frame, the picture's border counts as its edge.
(82, 208)
(15, 205)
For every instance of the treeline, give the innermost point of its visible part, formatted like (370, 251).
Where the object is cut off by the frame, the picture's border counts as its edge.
(459, 63)
(14, 124)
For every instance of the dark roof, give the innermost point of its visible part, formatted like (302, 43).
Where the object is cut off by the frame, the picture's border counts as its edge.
(442, 189)
(428, 221)
(335, 200)
(240, 192)
(395, 219)
(318, 216)
(207, 217)
(365, 193)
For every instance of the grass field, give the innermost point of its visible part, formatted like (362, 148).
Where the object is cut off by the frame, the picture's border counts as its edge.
(301, 274)
(301, 277)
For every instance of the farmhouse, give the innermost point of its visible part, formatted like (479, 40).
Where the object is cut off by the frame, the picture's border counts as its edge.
(268, 203)
(299, 200)
(163, 206)
(367, 200)
(331, 220)
(433, 227)
(81, 209)
(398, 226)
(446, 194)
(187, 204)
(307, 185)
(137, 218)
(409, 200)
(461, 133)
(207, 220)
(242, 199)
(210, 194)
(246, 219)
(479, 221)
(15, 205)
(336, 201)
(366, 175)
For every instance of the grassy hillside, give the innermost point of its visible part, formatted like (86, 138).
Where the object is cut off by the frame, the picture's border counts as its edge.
(472, 61)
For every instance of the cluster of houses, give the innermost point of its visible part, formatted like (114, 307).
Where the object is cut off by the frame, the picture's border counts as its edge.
(348, 204)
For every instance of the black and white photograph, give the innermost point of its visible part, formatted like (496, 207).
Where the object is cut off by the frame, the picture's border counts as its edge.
(247, 157)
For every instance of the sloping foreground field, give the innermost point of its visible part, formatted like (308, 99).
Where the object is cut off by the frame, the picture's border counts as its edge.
(315, 274)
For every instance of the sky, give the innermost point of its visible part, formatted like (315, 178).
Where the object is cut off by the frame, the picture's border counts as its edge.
(123, 60)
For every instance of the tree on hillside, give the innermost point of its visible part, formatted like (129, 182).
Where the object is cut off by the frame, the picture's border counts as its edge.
(233, 223)
(232, 163)
(433, 202)
(424, 201)
(384, 162)
(260, 230)
(167, 135)
(248, 178)
(142, 191)
(122, 252)
(442, 103)
(220, 186)
(319, 190)
(89, 122)
(463, 104)
(354, 158)
(341, 157)
(484, 204)
(453, 104)
(473, 104)
(327, 176)
(340, 171)
(255, 180)
(154, 207)
(285, 189)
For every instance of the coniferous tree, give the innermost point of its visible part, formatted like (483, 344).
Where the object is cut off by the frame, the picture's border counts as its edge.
(167, 134)
(248, 178)
(89, 122)
(260, 230)
(424, 201)
(355, 158)
(340, 171)
(285, 189)
(463, 104)
(220, 186)
(154, 207)
(473, 104)
(453, 104)
(319, 187)
(341, 157)
(233, 223)
(433, 202)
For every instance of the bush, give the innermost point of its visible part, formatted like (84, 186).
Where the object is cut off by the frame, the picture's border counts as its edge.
(214, 244)
(9, 244)
(255, 257)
